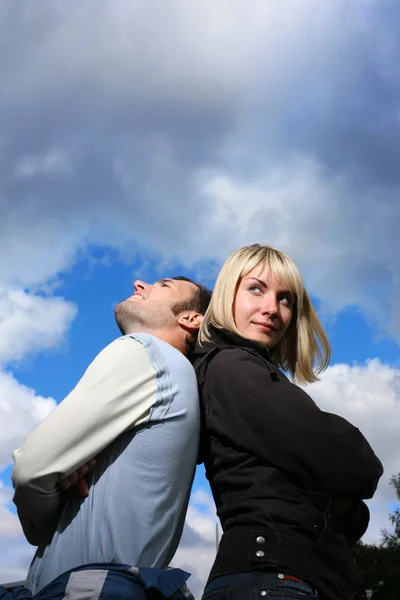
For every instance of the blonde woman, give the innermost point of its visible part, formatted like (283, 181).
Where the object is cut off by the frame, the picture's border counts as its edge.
(287, 478)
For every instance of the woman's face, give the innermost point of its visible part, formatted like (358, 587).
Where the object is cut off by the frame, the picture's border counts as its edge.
(262, 308)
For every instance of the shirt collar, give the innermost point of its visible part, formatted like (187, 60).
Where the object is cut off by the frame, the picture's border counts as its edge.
(224, 338)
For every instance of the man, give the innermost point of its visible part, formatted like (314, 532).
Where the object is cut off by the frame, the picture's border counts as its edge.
(136, 410)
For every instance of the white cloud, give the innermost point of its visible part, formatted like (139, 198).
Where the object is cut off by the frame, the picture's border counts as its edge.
(368, 395)
(9, 524)
(300, 209)
(201, 516)
(15, 551)
(20, 411)
(30, 323)
(197, 549)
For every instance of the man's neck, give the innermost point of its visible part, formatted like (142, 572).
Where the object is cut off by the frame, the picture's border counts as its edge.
(165, 335)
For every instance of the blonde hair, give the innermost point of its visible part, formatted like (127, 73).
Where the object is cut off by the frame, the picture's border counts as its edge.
(304, 351)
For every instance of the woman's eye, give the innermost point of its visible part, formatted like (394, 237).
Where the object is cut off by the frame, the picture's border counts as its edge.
(287, 299)
(255, 288)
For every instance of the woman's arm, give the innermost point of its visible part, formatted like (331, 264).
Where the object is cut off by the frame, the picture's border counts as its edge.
(277, 421)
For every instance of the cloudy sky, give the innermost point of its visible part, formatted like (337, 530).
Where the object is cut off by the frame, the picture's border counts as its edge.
(147, 139)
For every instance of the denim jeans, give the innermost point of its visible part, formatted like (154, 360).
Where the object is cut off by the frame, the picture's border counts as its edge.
(256, 585)
(109, 582)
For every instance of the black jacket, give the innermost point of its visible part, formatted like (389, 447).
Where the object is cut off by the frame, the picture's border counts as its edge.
(287, 478)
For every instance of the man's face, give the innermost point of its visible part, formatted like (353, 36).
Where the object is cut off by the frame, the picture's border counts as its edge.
(151, 306)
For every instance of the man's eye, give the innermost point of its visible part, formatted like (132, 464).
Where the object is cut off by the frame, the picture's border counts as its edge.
(164, 284)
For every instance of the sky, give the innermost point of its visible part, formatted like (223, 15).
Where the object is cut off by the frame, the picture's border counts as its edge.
(141, 140)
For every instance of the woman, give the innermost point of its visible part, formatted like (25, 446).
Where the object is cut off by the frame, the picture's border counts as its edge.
(288, 479)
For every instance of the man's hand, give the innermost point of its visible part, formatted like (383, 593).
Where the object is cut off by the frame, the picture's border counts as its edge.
(77, 479)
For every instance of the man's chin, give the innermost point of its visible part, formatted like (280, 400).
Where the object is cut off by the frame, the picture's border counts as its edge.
(124, 316)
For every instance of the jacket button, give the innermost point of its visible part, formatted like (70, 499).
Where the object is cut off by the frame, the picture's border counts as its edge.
(260, 540)
(259, 553)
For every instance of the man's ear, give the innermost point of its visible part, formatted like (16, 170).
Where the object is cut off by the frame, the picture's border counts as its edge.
(190, 321)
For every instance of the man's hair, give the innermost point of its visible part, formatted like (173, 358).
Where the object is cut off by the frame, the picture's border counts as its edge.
(199, 301)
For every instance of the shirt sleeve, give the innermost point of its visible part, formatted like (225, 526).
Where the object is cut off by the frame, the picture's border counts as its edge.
(115, 394)
(269, 417)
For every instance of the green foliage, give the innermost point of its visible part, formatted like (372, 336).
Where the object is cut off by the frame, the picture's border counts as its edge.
(380, 565)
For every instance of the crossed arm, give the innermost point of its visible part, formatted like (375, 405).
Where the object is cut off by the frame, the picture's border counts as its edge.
(115, 394)
(77, 479)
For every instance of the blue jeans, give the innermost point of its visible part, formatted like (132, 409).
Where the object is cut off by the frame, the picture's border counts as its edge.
(256, 585)
(109, 582)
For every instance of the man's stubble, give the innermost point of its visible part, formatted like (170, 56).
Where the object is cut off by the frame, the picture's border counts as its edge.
(134, 319)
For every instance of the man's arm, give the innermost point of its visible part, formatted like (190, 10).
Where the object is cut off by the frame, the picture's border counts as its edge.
(116, 393)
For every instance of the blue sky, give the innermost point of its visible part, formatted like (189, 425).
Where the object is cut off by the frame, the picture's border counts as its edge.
(143, 140)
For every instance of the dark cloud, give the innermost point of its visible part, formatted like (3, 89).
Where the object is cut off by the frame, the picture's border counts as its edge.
(193, 132)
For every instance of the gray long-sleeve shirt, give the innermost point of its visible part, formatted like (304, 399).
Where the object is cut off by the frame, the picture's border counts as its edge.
(136, 409)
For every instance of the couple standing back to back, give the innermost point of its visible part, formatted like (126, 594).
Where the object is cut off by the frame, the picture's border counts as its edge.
(288, 479)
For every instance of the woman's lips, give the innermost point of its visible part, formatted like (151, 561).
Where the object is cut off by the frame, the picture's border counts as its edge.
(266, 326)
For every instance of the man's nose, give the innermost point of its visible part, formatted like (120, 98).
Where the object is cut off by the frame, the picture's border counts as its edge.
(140, 285)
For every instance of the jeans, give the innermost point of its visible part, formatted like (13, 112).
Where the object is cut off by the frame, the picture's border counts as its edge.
(109, 582)
(256, 585)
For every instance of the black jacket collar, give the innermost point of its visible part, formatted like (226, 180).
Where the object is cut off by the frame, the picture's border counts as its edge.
(222, 338)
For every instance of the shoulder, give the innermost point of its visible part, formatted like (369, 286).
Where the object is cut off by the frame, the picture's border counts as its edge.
(236, 358)
(122, 347)
(162, 350)
(123, 355)
(234, 369)
(167, 360)
(235, 379)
